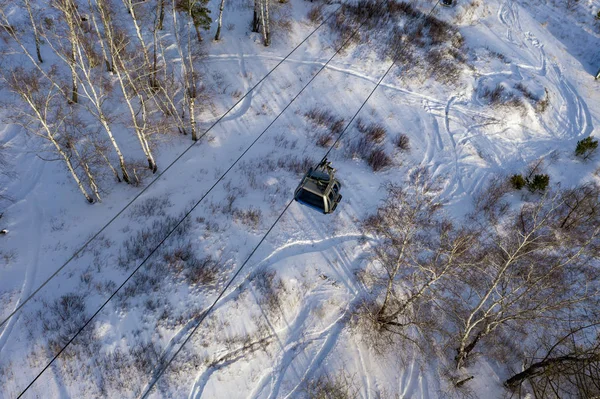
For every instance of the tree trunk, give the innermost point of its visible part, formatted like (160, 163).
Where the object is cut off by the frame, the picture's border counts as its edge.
(256, 18)
(220, 21)
(161, 15)
(138, 32)
(35, 31)
(71, 169)
(106, 126)
(105, 53)
(112, 168)
(539, 367)
(198, 35)
(192, 102)
(465, 349)
(263, 22)
(88, 173)
(267, 24)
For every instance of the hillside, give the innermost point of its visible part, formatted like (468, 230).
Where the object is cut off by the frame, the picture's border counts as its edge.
(434, 277)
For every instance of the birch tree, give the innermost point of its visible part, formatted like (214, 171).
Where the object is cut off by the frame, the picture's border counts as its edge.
(531, 269)
(416, 249)
(265, 22)
(566, 363)
(128, 83)
(43, 116)
(220, 21)
(256, 16)
(190, 77)
(151, 71)
(68, 10)
(160, 9)
(95, 87)
(34, 27)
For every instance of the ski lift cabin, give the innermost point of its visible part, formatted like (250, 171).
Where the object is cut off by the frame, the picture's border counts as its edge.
(447, 3)
(319, 189)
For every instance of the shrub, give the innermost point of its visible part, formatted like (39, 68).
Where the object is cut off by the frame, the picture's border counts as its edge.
(326, 119)
(517, 181)
(153, 206)
(295, 164)
(543, 103)
(315, 15)
(494, 96)
(538, 183)
(378, 159)
(270, 289)
(325, 139)
(402, 142)
(201, 271)
(374, 132)
(341, 386)
(414, 34)
(526, 92)
(586, 147)
(250, 217)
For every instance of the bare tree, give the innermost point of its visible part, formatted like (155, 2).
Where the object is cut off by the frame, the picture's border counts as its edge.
(220, 20)
(14, 34)
(161, 14)
(256, 16)
(416, 250)
(190, 77)
(68, 10)
(74, 131)
(43, 116)
(128, 83)
(567, 367)
(530, 270)
(82, 60)
(152, 73)
(35, 28)
(264, 21)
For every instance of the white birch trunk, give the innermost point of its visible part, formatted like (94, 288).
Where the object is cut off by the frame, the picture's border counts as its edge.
(220, 21)
(35, 30)
(138, 32)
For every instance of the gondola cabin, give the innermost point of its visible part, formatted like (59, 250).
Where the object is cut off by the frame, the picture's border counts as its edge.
(319, 189)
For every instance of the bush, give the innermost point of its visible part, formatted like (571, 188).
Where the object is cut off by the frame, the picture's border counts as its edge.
(413, 35)
(374, 132)
(315, 15)
(341, 386)
(586, 147)
(250, 217)
(517, 181)
(325, 139)
(295, 164)
(326, 119)
(201, 271)
(150, 207)
(538, 183)
(402, 142)
(378, 159)
(494, 96)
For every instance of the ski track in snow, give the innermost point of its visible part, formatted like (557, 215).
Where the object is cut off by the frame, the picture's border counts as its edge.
(333, 332)
(35, 215)
(409, 381)
(297, 340)
(281, 253)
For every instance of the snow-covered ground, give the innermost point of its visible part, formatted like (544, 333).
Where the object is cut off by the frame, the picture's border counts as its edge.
(285, 319)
